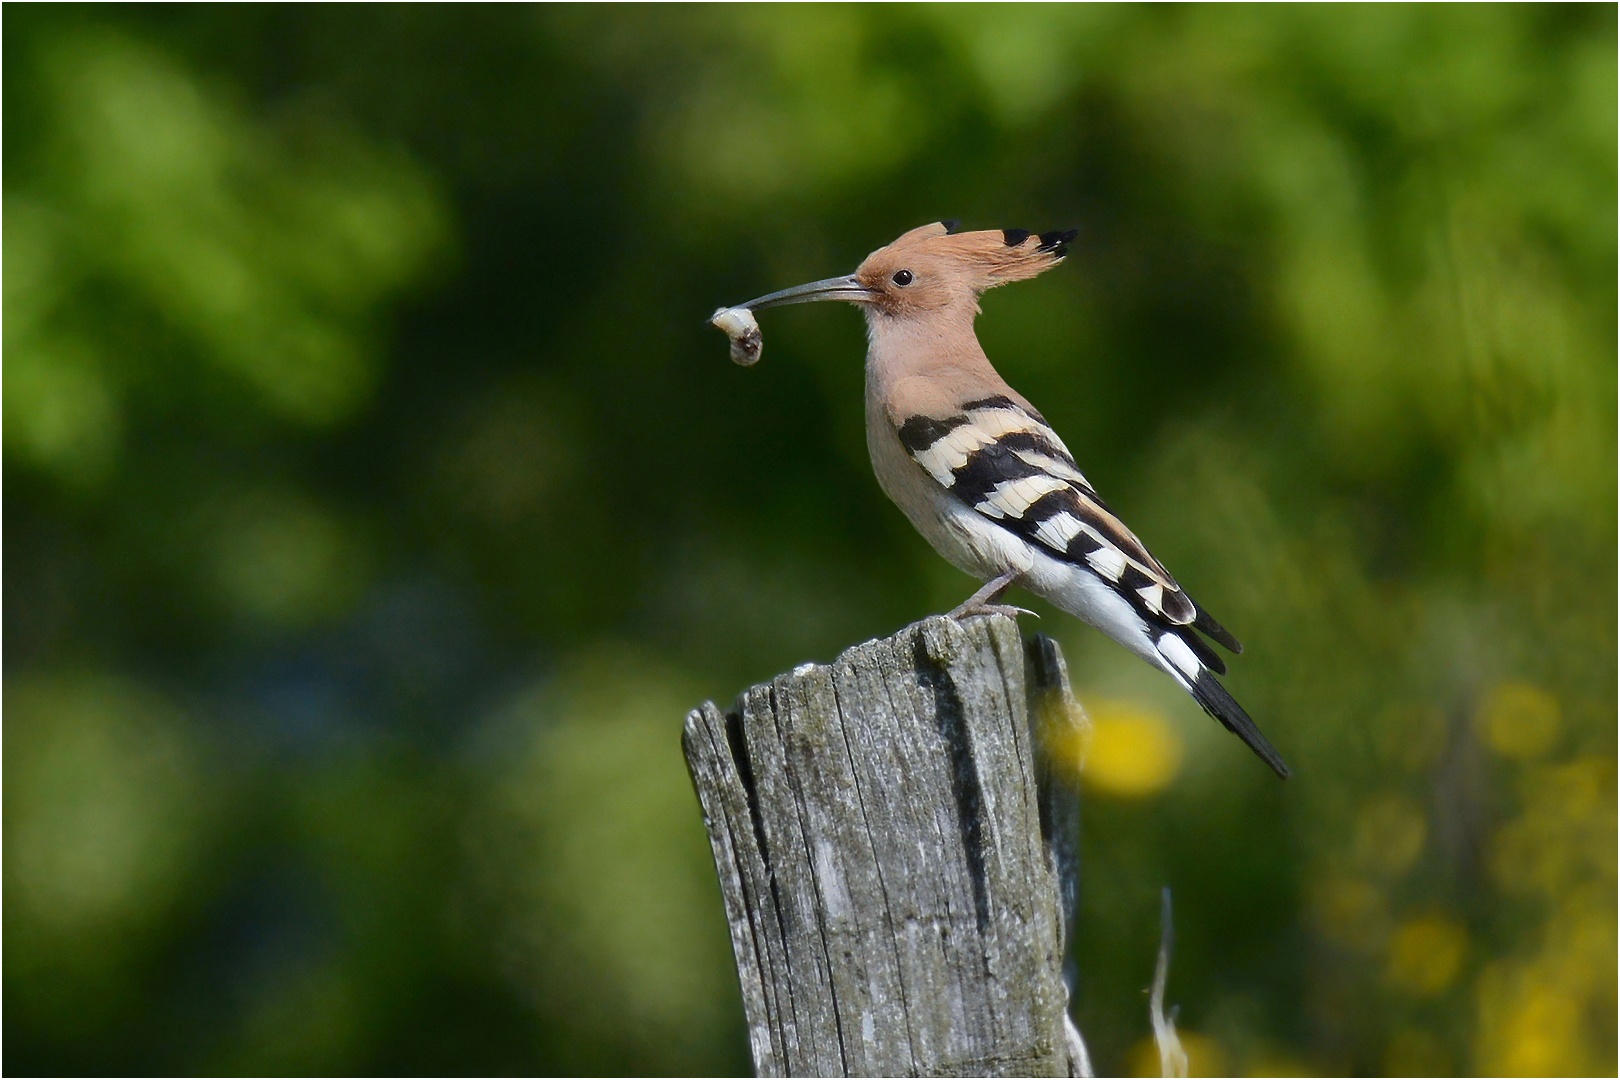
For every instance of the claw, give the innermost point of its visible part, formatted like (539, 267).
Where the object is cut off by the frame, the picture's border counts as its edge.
(963, 611)
(983, 601)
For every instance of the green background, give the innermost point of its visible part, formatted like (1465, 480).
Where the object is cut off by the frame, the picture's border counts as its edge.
(377, 501)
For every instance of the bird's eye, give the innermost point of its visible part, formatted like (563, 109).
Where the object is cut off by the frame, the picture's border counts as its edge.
(902, 277)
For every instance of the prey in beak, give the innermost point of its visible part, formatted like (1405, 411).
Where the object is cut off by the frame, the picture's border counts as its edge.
(739, 324)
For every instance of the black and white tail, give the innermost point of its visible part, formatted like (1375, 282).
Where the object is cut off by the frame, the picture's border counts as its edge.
(1221, 705)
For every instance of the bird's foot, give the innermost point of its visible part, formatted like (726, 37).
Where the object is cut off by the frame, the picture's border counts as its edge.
(962, 611)
(983, 602)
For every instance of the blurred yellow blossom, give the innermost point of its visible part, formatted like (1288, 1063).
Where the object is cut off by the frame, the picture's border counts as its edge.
(1389, 835)
(1528, 1026)
(1133, 751)
(1552, 1013)
(1566, 830)
(1519, 721)
(1426, 954)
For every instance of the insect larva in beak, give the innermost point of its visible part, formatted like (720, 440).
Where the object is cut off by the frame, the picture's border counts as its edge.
(740, 327)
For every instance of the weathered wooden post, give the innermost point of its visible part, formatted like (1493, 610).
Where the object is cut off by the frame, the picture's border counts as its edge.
(889, 871)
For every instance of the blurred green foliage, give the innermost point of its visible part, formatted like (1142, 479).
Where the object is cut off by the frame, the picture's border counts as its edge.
(377, 500)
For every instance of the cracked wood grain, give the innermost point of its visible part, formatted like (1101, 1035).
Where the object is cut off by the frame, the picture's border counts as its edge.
(877, 828)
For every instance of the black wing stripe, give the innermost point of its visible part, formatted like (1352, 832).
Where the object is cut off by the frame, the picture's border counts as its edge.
(920, 432)
(999, 401)
(1082, 545)
(1038, 442)
(986, 467)
(1134, 580)
(1002, 401)
(1047, 506)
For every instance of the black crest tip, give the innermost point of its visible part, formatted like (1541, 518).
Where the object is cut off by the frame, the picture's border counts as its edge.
(951, 224)
(1053, 241)
(1014, 237)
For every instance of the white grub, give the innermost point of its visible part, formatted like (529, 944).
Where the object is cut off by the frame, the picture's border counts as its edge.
(739, 325)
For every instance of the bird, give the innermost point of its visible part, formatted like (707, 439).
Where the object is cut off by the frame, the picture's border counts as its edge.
(980, 473)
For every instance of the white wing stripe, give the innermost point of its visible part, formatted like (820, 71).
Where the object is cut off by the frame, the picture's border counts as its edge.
(1009, 418)
(1173, 649)
(1052, 465)
(1056, 531)
(1108, 561)
(995, 422)
(952, 450)
(942, 460)
(1011, 498)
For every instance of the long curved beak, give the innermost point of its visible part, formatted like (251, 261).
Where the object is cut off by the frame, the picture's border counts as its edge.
(833, 288)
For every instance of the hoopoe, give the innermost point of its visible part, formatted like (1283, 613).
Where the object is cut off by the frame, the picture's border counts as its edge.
(979, 473)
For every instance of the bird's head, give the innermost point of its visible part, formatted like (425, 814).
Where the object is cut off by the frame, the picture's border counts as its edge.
(932, 269)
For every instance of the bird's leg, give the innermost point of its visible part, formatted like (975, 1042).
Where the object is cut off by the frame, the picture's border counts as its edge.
(989, 593)
(983, 602)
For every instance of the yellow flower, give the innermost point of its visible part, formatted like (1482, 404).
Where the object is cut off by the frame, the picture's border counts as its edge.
(1133, 751)
(1519, 721)
(1426, 954)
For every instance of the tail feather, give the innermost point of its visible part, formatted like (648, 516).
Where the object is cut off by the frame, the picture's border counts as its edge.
(1220, 704)
(1203, 621)
(1206, 655)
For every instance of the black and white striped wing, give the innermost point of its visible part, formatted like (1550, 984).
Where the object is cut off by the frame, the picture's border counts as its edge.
(1001, 459)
